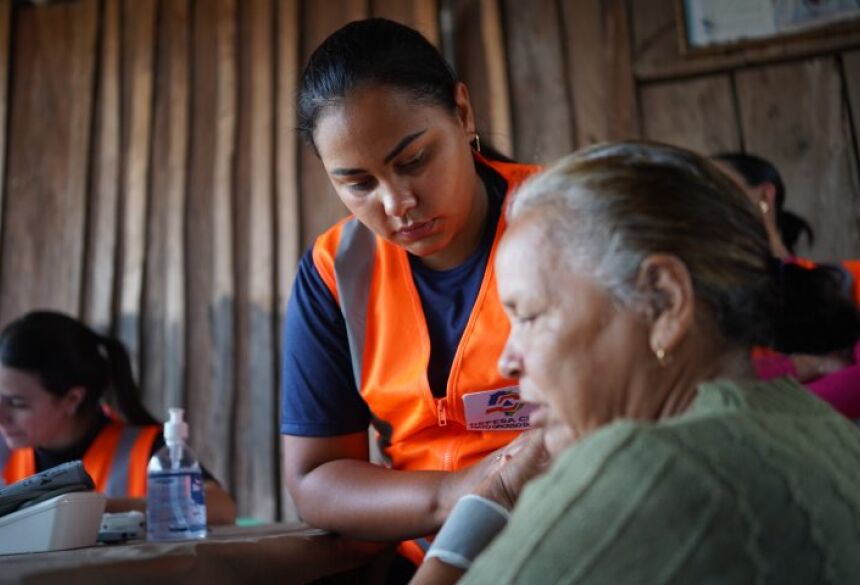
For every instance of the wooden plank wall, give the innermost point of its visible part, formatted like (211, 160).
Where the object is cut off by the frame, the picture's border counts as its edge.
(47, 141)
(5, 24)
(797, 103)
(153, 184)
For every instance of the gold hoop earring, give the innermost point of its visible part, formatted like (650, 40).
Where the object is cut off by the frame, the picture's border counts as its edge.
(477, 142)
(763, 206)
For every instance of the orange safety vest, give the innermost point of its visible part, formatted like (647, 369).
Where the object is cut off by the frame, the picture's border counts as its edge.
(116, 460)
(390, 346)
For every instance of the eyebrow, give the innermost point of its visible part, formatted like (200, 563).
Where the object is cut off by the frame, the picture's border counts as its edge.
(403, 144)
(388, 158)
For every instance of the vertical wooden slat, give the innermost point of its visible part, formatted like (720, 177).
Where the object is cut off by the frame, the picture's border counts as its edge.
(623, 121)
(498, 89)
(851, 73)
(599, 61)
(426, 19)
(53, 59)
(102, 228)
(422, 15)
(320, 205)
(286, 181)
(471, 63)
(286, 145)
(398, 10)
(655, 33)
(542, 120)
(587, 73)
(138, 44)
(163, 325)
(480, 57)
(210, 374)
(794, 115)
(5, 18)
(697, 114)
(255, 465)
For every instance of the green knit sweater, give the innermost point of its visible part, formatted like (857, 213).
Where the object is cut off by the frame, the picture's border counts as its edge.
(756, 483)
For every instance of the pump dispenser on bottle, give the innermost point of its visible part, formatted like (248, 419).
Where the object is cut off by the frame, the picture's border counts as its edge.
(175, 504)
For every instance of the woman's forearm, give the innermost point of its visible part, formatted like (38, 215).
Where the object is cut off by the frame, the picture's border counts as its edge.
(435, 572)
(336, 488)
(362, 500)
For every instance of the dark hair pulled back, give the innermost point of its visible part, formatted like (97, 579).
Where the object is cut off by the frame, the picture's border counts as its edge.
(756, 170)
(814, 310)
(372, 52)
(64, 353)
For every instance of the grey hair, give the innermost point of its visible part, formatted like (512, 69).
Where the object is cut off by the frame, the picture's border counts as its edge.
(611, 206)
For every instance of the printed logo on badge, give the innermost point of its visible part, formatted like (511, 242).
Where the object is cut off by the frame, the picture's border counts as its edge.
(497, 410)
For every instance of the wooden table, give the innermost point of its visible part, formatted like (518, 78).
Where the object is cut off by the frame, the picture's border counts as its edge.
(277, 553)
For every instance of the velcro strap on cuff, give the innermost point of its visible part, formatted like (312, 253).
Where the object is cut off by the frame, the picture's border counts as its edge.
(470, 527)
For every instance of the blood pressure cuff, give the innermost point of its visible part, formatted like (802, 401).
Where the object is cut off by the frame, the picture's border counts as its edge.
(53, 482)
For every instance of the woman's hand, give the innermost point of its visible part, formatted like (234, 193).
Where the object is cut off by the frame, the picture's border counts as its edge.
(499, 476)
(513, 466)
(504, 473)
(812, 367)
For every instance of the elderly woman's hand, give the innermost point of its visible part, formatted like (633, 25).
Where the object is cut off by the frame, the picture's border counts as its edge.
(513, 466)
(501, 475)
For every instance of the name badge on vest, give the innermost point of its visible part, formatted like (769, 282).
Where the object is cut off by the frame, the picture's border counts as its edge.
(497, 410)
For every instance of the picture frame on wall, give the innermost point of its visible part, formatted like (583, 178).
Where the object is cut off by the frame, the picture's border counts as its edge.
(720, 25)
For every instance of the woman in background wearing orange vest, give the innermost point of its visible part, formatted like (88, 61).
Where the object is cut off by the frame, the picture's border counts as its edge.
(833, 377)
(54, 372)
(394, 318)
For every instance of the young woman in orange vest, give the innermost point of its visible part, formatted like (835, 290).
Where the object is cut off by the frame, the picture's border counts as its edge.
(54, 374)
(394, 319)
(834, 377)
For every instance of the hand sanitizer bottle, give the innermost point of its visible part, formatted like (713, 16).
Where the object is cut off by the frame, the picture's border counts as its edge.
(175, 506)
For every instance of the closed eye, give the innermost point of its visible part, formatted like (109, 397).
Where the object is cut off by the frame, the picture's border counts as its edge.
(413, 164)
(362, 186)
(13, 402)
(526, 319)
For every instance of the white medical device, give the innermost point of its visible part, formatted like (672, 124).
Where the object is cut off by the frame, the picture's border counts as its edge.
(66, 521)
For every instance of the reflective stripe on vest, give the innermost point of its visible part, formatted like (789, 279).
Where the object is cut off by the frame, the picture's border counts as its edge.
(117, 483)
(353, 267)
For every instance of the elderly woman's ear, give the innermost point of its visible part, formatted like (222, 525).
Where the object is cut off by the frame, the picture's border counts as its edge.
(670, 306)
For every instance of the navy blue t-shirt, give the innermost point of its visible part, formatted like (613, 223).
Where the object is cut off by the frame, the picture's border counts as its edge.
(319, 397)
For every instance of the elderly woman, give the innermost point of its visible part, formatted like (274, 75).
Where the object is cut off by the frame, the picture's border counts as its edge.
(636, 278)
